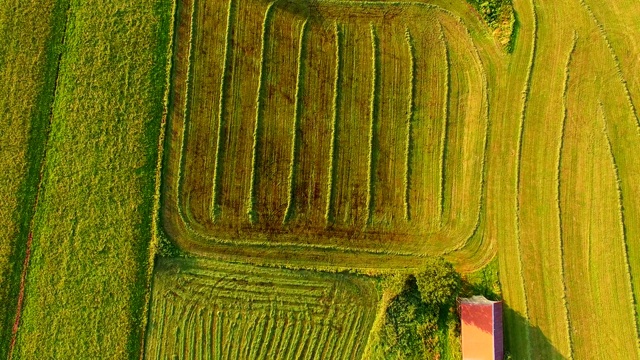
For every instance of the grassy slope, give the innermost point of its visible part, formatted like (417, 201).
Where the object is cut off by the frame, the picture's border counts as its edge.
(28, 60)
(93, 223)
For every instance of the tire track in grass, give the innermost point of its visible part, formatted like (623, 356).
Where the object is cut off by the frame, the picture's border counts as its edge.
(297, 334)
(27, 257)
(281, 332)
(304, 338)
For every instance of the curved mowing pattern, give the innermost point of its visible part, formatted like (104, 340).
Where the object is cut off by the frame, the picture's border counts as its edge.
(304, 133)
(215, 310)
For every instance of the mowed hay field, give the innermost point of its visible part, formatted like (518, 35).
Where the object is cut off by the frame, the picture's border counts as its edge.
(365, 134)
(340, 126)
(290, 149)
(204, 309)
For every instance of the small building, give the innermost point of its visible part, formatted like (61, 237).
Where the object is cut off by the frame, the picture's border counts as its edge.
(481, 328)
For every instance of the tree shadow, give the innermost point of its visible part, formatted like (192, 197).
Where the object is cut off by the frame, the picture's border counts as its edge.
(523, 340)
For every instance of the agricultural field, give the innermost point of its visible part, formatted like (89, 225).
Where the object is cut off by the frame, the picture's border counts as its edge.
(287, 138)
(216, 310)
(26, 69)
(280, 179)
(82, 126)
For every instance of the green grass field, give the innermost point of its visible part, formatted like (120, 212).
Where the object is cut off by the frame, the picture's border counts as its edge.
(239, 179)
(86, 282)
(216, 310)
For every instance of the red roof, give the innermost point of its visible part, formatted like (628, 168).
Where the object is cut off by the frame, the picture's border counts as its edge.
(482, 337)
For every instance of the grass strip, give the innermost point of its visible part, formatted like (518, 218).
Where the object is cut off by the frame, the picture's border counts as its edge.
(93, 222)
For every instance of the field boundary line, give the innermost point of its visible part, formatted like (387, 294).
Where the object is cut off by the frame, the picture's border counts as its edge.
(155, 219)
(622, 224)
(558, 191)
(295, 145)
(251, 211)
(334, 126)
(215, 198)
(409, 121)
(39, 190)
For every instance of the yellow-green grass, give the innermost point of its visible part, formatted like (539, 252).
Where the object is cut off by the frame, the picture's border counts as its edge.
(566, 292)
(302, 147)
(28, 67)
(592, 222)
(202, 309)
(86, 283)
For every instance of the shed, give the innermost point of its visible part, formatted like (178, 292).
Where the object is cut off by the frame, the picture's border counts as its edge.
(481, 327)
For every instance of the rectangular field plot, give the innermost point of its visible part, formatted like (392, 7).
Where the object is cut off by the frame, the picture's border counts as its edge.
(214, 310)
(333, 124)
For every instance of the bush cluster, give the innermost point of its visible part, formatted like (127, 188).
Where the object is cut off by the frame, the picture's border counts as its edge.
(412, 319)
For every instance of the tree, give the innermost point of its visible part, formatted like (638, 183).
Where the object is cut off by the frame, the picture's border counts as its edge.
(439, 283)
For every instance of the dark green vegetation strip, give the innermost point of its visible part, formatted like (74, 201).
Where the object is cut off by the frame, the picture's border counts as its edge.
(28, 67)
(92, 226)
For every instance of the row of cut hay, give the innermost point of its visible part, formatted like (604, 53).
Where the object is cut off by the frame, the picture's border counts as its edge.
(209, 24)
(179, 104)
(373, 121)
(445, 124)
(465, 239)
(561, 250)
(215, 197)
(527, 351)
(295, 145)
(278, 119)
(251, 211)
(466, 137)
(536, 214)
(185, 113)
(623, 226)
(409, 123)
(621, 77)
(334, 125)
(349, 207)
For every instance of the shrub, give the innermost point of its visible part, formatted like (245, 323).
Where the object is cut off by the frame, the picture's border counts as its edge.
(439, 283)
(414, 317)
